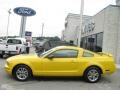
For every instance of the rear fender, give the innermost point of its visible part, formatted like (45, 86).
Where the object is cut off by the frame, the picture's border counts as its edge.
(93, 65)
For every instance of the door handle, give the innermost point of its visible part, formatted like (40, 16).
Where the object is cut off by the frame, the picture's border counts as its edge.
(73, 61)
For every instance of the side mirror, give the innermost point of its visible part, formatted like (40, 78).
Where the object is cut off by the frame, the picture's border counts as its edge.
(50, 56)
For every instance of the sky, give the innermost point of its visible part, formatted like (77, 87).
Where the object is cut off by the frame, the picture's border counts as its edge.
(50, 12)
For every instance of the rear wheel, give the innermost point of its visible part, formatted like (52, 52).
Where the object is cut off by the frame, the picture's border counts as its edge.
(92, 74)
(22, 72)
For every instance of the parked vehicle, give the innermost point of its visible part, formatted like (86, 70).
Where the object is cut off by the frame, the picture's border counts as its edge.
(1, 41)
(62, 61)
(35, 43)
(48, 44)
(13, 46)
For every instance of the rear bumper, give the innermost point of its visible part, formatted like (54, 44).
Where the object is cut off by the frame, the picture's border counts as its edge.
(9, 52)
(110, 70)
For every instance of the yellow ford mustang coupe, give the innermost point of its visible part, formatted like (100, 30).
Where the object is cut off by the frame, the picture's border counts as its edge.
(61, 61)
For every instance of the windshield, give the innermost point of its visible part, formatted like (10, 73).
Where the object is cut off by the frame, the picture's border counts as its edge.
(14, 41)
(45, 52)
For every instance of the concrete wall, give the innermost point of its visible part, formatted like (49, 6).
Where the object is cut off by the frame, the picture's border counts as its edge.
(110, 30)
(73, 26)
(117, 2)
(118, 39)
(98, 20)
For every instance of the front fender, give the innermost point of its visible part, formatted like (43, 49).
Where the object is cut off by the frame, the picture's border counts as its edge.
(21, 63)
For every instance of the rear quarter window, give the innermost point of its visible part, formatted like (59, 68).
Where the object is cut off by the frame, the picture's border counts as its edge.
(87, 54)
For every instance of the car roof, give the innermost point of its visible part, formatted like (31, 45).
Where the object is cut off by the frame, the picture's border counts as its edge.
(18, 39)
(68, 47)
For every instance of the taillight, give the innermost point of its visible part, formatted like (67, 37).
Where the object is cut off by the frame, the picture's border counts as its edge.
(16, 48)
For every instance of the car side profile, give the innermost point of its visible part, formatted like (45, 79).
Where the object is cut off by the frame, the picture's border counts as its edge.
(61, 61)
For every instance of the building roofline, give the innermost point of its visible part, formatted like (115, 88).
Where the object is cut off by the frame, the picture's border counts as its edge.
(75, 15)
(78, 15)
(110, 5)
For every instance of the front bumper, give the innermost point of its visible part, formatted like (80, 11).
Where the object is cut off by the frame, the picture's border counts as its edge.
(8, 70)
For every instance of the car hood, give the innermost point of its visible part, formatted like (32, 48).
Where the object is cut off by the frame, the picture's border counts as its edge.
(23, 57)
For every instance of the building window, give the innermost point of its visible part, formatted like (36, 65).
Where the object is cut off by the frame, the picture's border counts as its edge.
(99, 42)
(71, 42)
(89, 27)
(93, 42)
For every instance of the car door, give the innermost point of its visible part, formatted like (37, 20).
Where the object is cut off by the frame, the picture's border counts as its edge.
(61, 63)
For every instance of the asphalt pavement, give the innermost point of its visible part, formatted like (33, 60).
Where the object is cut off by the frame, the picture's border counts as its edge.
(110, 82)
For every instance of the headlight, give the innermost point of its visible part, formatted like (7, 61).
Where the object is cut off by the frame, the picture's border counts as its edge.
(7, 63)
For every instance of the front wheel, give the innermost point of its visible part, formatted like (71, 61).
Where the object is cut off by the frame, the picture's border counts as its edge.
(22, 73)
(92, 75)
(20, 51)
(1, 56)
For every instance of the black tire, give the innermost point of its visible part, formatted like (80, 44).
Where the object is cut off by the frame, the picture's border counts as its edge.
(20, 51)
(91, 78)
(1, 56)
(16, 73)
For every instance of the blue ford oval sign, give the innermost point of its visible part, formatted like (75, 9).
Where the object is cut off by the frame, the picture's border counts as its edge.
(24, 11)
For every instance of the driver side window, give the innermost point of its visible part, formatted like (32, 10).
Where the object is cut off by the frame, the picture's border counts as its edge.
(65, 54)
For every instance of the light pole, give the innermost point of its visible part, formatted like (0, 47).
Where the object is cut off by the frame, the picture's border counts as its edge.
(42, 29)
(9, 12)
(81, 20)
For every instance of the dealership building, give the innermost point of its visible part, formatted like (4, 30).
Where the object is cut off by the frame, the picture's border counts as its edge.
(72, 22)
(100, 33)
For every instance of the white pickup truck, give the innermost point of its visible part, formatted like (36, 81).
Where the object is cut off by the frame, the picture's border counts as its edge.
(13, 46)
